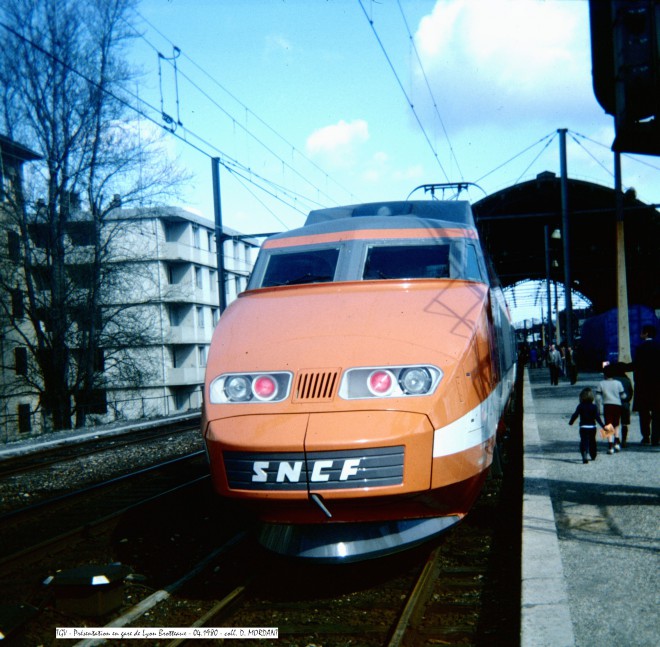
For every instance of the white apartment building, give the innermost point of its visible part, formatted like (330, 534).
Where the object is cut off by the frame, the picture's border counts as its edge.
(174, 254)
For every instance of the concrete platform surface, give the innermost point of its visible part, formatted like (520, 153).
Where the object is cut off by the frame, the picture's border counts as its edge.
(591, 532)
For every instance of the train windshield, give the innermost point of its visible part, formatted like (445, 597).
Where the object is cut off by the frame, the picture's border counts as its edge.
(295, 268)
(407, 262)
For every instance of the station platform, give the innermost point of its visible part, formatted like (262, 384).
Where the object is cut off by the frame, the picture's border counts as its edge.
(591, 532)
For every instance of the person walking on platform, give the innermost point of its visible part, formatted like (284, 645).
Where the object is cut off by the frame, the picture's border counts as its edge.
(587, 411)
(533, 357)
(620, 375)
(610, 393)
(554, 364)
(646, 367)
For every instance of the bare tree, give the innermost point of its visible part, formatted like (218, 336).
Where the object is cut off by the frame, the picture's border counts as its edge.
(62, 70)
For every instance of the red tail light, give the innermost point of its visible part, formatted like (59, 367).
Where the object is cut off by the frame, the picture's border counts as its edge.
(264, 387)
(380, 382)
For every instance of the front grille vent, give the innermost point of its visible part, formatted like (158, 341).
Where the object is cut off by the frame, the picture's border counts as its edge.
(316, 386)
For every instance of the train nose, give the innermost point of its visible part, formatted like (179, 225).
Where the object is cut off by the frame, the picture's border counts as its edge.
(335, 455)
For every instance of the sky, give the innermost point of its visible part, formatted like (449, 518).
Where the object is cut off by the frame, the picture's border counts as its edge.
(315, 103)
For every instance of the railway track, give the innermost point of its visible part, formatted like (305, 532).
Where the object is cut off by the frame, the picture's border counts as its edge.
(462, 589)
(41, 526)
(458, 590)
(193, 565)
(41, 458)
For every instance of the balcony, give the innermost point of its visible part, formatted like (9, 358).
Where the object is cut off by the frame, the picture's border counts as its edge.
(181, 252)
(189, 335)
(185, 375)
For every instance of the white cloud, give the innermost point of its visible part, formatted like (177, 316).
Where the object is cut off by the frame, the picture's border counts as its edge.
(338, 143)
(503, 60)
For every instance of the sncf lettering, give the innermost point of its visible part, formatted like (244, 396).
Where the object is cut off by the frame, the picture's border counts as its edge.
(292, 471)
(259, 468)
(350, 468)
(289, 472)
(317, 475)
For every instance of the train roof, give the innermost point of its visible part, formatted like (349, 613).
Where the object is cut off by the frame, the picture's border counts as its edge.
(452, 211)
(424, 215)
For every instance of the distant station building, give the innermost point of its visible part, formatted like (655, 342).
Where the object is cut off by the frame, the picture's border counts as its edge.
(162, 285)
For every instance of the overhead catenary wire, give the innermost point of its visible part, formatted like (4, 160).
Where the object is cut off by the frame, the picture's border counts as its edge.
(248, 111)
(257, 139)
(211, 150)
(522, 152)
(405, 94)
(430, 91)
(533, 161)
(176, 52)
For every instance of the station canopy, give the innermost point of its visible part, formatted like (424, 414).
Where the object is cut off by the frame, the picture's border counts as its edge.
(512, 223)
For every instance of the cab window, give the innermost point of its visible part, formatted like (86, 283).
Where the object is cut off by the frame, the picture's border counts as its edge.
(294, 268)
(407, 262)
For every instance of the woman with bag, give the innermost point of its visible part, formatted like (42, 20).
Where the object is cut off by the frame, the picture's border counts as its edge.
(610, 393)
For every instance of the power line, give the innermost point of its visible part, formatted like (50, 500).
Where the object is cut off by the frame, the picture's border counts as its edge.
(247, 110)
(405, 94)
(227, 159)
(125, 103)
(534, 160)
(497, 168)
(428, 87)
(609, 148)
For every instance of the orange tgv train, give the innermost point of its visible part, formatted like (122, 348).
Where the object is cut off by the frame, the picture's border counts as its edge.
(354, 390)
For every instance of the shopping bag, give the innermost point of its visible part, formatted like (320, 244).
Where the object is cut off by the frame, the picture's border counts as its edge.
(607, 431)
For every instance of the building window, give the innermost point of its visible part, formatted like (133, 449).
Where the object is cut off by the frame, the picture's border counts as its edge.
(20, 360)
(14, 246)
(81, 276)
(41, 278)
(195, 234)
(175, 316)
(209, 235)
(81, 233)
(200, 317)
(182, 400)
(170, 235)
(17, 308)
(215, 316)
(40, 235)
(175, 273)
(24, 418)
(201, 350)
(198, 277)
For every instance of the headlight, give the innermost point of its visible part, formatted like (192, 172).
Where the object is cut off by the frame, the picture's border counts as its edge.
(389, 381)
(416, 380)
(249, 387)
(237, 388)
